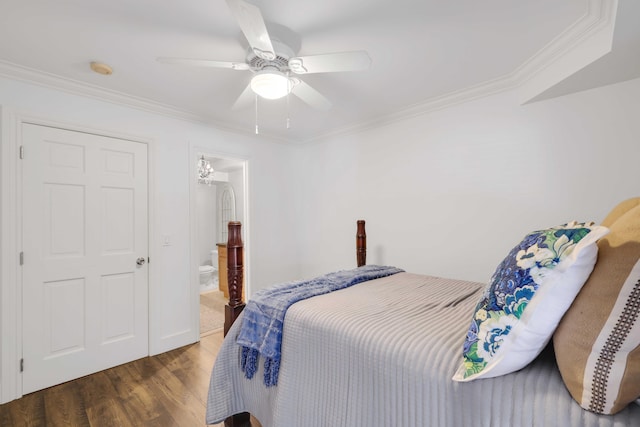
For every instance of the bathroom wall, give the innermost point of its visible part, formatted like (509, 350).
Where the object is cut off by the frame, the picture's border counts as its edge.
(236, 181)
(206, 196)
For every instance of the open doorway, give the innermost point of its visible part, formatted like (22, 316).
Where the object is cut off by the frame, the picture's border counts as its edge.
(219, 198)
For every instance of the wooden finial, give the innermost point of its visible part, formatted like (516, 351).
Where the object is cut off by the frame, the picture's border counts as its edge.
(361, 244)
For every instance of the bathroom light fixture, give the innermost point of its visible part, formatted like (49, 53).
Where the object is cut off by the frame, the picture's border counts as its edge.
(205, 171)
(271, 84)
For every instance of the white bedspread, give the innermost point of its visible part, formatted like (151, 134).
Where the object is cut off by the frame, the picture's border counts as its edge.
(382, 353)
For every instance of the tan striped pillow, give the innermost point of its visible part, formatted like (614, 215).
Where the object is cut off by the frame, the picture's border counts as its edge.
(597, 343)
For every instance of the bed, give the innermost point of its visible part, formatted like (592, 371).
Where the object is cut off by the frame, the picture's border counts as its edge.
(383, 353)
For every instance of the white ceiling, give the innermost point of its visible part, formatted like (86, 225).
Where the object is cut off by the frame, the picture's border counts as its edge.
(420, 50)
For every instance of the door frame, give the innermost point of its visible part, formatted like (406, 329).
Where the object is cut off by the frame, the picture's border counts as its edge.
(11, 122)
(195, 152)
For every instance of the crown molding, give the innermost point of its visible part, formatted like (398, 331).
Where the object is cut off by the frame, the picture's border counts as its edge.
(581, 44)
(599, 15)
(75, 87)
(441, 102)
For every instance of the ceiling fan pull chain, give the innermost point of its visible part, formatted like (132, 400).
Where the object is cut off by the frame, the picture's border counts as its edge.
(288, 121)
(257, 132)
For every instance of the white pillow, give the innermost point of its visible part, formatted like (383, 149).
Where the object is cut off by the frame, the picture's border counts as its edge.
(528, 294)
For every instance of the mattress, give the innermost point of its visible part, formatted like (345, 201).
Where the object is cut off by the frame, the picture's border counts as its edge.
(382, 353)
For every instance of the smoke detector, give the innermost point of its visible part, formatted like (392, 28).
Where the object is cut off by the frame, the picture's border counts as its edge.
(101, 68)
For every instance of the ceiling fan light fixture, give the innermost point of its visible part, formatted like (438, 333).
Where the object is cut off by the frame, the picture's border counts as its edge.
(271, 84)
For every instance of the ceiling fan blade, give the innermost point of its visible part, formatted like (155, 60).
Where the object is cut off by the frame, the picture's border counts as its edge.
(246, 98)
(330, 62)
(311, 96)
(204, 63)
(253, 27)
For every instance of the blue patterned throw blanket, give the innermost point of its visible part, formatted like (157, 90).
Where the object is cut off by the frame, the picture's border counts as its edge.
(261, 329)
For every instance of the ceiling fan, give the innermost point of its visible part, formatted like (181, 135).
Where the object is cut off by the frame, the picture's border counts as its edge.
(275, 65)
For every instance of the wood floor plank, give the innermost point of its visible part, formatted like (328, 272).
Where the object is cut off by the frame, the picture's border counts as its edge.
(102, 401)
(192, 369)
(212, 343)
(194, 357)
(108, 413)
(25, 412)
(64, 406)
(135, 395)
(185, 408)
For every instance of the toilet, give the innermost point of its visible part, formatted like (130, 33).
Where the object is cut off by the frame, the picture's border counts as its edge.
(208, 276)
(214, 262)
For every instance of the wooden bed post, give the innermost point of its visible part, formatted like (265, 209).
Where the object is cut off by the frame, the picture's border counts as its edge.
(235, 271)
(361, 244)
(234, 275)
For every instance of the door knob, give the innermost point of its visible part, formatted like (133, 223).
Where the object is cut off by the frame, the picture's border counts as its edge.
(140, 261)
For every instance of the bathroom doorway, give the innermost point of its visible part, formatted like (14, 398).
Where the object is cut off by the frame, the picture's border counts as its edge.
(219, 193)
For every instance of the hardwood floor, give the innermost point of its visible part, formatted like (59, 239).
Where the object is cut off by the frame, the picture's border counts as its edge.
(211, 311)
(165, 390)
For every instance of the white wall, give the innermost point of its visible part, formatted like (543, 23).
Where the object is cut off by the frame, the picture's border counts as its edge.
(170, 267)
(450, 192)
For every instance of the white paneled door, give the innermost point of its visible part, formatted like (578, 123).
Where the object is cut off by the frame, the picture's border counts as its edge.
(85, 244)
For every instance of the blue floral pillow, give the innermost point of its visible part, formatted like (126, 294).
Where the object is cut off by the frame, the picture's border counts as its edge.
(528, 294)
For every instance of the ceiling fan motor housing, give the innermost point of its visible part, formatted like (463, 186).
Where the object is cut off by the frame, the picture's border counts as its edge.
(279, 63)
